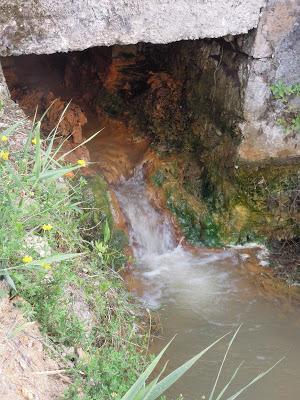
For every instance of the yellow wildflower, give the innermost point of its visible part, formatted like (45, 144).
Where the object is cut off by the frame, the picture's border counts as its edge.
(47, 227)
(82, 163)
(46, 266)
(4, 138)
(26, 259)
(33, 141)
(4, 155)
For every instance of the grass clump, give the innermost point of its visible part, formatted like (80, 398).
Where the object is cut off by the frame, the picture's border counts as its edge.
(60, 252)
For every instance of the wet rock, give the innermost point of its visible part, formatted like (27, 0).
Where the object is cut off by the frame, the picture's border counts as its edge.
(73, 119)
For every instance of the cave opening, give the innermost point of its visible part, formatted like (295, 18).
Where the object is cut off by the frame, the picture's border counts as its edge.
(184, 96)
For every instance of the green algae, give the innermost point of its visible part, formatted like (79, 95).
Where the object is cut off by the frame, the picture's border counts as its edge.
(251, 203)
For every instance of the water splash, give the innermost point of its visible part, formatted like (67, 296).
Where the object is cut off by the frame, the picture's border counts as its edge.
(202, 297)
(164, 266)
(151, 233)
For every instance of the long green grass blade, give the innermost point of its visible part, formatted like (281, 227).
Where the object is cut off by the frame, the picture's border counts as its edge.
(34, 117)
(257, 378)
(169, 380)
(9, 280)
(106, 232)
(38, 151)
(146, 392)
(28, 141)
(79, 145)
(229, 382)
(48, 152)
(5, 274)
(57, 149)
(52, 259)
(56, 173)
(46, 111)
(15, 175)
(222, 363)
(53, 136)
(140, 382)
(142, 394)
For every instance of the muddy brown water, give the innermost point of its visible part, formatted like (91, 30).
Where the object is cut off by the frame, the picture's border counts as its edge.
(200, 298)
(203, 295)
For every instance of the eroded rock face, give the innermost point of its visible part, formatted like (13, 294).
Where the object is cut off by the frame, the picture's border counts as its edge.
(275, 51)
(226, 81)
(73, 121)
(4, 93)
(43, 27)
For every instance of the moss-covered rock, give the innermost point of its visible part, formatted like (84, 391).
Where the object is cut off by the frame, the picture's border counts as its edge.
(252, 202)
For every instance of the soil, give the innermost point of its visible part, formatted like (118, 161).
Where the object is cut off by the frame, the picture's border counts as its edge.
(27, 370)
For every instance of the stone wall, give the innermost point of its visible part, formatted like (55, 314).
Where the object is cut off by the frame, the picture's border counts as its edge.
(274, 51)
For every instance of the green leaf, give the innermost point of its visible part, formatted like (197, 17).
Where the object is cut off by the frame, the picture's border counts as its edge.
(5, 274)
(52, 259)
(81, 144)
(140, 382)
(106, 232)
(257, 378)
(9, 280)
(38, 151)
(146, 392)
(56, 173)
(48, 158)
(229, 382)
(169, 380)
(223, 361)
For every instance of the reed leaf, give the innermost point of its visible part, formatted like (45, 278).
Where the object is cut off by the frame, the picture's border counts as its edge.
(257, 378)
(170, 379)
(230, 380)
(79, 145)
(223, 361)
(140, 382)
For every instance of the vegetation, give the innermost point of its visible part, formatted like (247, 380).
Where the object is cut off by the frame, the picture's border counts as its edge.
(282, 91)
(153, 390)
(60, 253)
(69, 282)
(194, 220)
(291, 115)
(258, 202)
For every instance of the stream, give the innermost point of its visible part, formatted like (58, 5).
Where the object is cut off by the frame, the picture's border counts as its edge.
(200, 298)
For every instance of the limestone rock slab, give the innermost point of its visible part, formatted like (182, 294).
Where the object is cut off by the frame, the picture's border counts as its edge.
(43, 26)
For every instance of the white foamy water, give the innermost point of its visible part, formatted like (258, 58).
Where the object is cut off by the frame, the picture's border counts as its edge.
(201, 297)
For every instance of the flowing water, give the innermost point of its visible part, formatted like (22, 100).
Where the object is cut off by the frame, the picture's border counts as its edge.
(200, 298)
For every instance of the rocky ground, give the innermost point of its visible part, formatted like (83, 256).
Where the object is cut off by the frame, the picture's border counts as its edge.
(28, 371)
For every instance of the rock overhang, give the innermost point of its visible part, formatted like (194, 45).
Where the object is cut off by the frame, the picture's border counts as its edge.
(43, 27)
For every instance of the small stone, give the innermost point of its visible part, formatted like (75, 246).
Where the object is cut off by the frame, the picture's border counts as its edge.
(28, 395)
